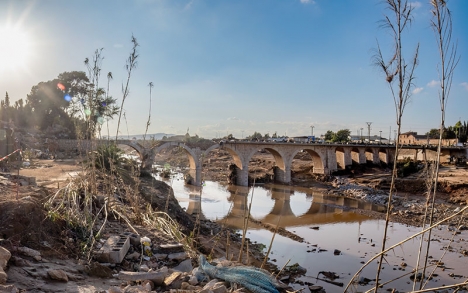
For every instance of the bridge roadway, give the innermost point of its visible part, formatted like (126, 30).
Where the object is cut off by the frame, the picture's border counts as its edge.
(326, 158)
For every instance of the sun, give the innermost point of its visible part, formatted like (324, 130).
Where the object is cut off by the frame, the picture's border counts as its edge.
(15, 48)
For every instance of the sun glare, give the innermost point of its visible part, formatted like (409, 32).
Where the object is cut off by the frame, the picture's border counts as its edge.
(14, 48)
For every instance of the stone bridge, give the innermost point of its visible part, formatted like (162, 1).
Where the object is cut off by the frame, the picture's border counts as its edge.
(326, 158)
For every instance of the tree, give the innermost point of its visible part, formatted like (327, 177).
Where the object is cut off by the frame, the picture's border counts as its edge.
(47, 104)
(329, 135)
(341, 136)
(433, 133)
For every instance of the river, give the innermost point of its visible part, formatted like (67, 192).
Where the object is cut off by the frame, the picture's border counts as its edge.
(336, 238)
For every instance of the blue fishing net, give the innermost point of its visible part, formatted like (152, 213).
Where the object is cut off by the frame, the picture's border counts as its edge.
(254, 279)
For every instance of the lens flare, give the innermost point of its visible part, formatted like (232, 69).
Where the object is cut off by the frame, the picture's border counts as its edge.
(67, 98)
(61, 86)
(100, 120)
(87, 112)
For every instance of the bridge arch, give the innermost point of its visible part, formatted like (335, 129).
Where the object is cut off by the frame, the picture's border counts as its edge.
(318, 160)
(235, 156)
(341, 157)
(357, 156)
(193, 157)
(384, 156)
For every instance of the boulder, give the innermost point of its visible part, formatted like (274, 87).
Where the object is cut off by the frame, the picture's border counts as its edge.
(4, 257)
(58, 275)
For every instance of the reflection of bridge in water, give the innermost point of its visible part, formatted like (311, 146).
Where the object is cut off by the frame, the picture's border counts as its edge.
(323, 209)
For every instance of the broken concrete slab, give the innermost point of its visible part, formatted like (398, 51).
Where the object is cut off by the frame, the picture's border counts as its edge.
(157, 277)
(171, 278)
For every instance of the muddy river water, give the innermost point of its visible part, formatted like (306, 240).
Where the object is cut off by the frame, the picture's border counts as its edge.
(336, 238)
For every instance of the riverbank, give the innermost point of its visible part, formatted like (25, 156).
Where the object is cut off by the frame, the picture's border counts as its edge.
(48, 254)
(60, 249)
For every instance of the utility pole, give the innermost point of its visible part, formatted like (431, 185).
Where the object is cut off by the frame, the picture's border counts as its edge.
(390, 135)
(361, 134)
(380, 137)
(368, 130)
(312, 130)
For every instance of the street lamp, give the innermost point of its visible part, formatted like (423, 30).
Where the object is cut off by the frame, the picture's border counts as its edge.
(361, 134)
(380, 137)
(312, 130)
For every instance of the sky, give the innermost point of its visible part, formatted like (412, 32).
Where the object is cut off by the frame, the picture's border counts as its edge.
(294, 67)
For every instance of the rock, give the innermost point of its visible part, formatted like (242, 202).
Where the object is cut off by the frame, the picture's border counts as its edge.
(337, 252)
(134, 289)
(4, 257)
(114, 289)
(3, 277)
(133, 256)
(58, 275)
(160, 256)
(148, 285)
(214, 286)
(8, 289)
(364, 281)
(30, 252)
(143, 268)
(20, 262)
(193, 280)
(185, 266)
(177, 256)
(315, 288)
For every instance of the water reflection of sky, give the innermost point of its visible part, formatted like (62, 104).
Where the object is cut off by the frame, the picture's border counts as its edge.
(356, 236)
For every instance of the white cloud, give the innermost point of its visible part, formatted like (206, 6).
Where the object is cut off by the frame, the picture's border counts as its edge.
(417, 90)
(465, 85)
(433, 83)
(307, 1)
(416, 4)
(118, 46)
(233, 118)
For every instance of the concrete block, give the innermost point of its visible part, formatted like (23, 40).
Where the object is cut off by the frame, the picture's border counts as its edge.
(114, 249)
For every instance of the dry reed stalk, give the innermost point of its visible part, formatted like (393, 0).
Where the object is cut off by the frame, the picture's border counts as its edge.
(218, 236)
(442, 287)
(271, 242)
(246, 223)
(446, 249)
(401, 242)
(227, 244)
(282, 268)
(397, 278)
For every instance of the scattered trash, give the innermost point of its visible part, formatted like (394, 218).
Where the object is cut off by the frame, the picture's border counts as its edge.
(146, 242)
